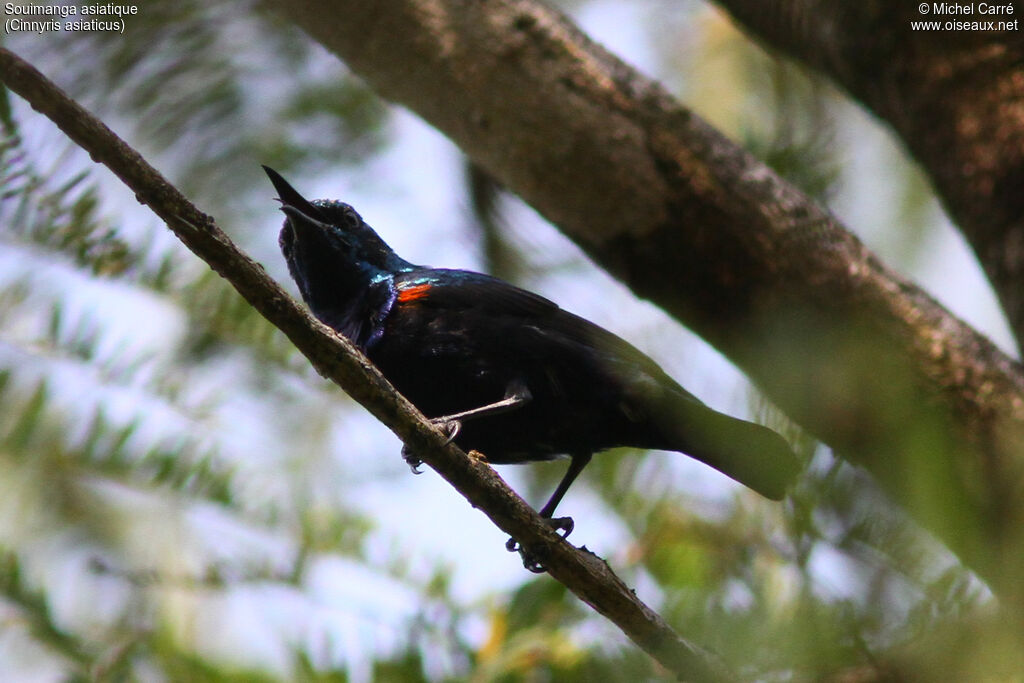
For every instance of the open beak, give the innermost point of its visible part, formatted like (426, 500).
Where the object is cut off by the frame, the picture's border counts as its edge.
(293, 204)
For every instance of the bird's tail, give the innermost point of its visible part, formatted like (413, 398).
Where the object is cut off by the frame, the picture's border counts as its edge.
(751, 454)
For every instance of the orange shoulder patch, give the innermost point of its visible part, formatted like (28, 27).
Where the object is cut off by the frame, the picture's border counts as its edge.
(413, 292)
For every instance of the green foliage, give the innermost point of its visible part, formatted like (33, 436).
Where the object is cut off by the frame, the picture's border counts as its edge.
(101, 438)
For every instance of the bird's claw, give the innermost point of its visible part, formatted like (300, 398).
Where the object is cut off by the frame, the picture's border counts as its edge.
(564, 524)
(411, 460)
(530, 561)
(451, 427)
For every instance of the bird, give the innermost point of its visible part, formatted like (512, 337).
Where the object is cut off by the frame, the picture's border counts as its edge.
(508, 373)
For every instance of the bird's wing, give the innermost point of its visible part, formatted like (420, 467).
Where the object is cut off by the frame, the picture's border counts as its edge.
(749, 453)
(463, 290)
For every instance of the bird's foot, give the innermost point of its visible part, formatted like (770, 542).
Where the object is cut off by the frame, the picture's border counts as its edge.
(451, 427)
(411, 460)
(531, 561)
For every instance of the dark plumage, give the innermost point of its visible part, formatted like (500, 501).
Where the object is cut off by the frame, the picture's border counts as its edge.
(454, 341)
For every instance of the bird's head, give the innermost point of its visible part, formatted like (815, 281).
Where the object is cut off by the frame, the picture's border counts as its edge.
(325, 235)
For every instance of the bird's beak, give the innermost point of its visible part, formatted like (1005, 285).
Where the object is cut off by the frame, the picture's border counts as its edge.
(294, 205)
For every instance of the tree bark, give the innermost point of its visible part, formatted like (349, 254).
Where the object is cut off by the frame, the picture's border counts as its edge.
(860, 357)
(956, 98)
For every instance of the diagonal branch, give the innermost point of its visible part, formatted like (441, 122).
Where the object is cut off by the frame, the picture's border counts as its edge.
(860, 357)
(335, 358)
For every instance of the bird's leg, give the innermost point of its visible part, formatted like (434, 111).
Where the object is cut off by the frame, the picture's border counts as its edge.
(564, 524)
(516, 395)
(576, 465)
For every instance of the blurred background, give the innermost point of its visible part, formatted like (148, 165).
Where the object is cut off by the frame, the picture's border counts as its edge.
(183, 498)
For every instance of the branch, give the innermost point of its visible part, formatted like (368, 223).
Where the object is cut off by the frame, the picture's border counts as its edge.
(860, 357)
(956, 98)
(335, 358)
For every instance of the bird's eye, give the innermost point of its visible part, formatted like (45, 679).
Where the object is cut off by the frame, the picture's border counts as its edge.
(350, 219)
